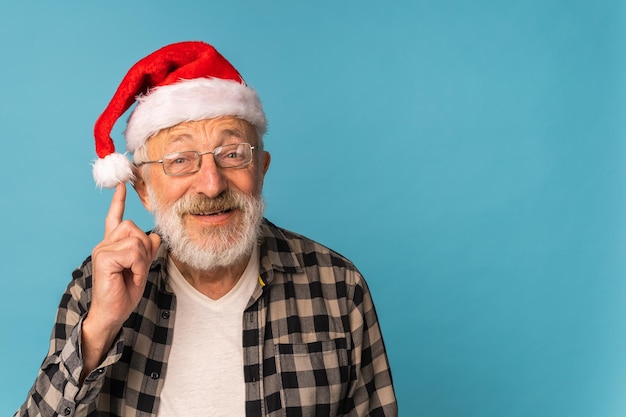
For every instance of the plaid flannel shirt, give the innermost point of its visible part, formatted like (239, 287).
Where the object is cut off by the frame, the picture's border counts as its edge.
(311, 339)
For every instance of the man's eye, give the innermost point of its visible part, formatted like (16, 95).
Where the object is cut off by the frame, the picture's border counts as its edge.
(230, 155)
(178, 161)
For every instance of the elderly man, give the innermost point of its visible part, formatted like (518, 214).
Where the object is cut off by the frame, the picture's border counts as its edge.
(217, 311)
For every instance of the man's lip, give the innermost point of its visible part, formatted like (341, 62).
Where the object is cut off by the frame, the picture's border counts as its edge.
(215, 218)
(212, 213)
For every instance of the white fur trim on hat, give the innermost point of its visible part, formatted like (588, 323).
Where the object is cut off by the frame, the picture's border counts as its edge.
(111, 170)
(191, 100)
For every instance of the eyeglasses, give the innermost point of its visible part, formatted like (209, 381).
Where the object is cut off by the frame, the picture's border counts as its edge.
(234, 155)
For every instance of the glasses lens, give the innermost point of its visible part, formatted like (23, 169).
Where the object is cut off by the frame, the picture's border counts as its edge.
(234, 155)
(181, 163)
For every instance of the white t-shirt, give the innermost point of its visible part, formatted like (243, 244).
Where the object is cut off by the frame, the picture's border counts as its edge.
(205, 368)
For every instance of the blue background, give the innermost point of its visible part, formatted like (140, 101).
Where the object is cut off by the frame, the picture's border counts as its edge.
(469, 157)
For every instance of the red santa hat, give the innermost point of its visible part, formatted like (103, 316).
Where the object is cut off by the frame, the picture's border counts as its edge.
(185, 81)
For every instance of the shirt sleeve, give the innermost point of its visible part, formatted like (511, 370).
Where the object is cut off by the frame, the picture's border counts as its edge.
(371, 393)
(57, 390)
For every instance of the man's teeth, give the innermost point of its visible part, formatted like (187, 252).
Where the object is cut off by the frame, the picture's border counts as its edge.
(214, 213)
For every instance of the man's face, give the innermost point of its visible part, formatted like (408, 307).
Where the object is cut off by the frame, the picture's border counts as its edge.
(209, 218)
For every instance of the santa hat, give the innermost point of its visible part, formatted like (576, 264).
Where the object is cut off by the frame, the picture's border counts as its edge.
(185, 81)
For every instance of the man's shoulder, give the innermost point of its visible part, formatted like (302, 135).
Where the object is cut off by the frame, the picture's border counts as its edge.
(82, 273)
(307, 251)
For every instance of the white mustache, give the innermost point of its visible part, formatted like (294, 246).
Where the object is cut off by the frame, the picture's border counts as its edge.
(195, 204)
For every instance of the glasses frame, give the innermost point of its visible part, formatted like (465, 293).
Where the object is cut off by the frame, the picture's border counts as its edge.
(214, 152)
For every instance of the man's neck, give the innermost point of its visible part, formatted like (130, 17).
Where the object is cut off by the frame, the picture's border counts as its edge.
(214, 283)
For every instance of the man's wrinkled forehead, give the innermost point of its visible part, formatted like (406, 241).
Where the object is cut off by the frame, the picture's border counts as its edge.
(216, 131)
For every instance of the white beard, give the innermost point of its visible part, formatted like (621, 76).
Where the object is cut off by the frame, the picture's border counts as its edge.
(218, 246)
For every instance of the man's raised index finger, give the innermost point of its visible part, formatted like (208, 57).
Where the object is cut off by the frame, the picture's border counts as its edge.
(116, 210)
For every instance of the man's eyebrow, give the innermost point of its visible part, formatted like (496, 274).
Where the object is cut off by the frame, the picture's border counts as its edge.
(176, 138)
(228, 133)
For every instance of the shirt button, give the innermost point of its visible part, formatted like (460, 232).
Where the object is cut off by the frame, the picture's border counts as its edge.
(165, 314)
(154, 375)
(67, 411)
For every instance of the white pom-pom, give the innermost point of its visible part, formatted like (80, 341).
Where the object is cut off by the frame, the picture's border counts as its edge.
(112, 170)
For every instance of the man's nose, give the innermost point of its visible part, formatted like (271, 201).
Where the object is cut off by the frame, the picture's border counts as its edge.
(210, 179)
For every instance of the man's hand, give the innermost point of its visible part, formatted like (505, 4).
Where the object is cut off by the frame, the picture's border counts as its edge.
(120, 263)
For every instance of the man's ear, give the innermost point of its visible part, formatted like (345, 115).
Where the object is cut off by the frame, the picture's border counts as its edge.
(142, 190)
(265, 162)
(264, 166)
